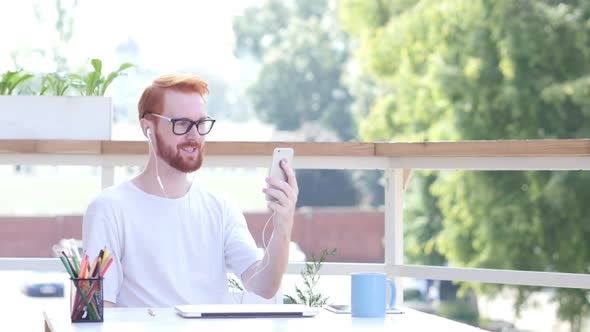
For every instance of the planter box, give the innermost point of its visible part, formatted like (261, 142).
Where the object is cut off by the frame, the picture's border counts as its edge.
(48, 117)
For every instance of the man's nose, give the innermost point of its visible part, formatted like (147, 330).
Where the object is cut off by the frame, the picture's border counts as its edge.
(193, 132)
(194, 135)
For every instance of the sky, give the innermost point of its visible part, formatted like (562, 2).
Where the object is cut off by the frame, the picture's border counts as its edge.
(171, 34)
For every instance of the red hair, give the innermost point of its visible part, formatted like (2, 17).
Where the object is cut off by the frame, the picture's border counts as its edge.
(153, 96)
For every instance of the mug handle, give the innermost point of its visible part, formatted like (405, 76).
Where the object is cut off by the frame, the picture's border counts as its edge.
(393, 294)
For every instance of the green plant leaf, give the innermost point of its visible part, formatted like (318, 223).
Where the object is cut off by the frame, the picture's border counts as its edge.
(125, 66)
(114, 75)
(288, 299)
(97, 64)
(13, 79)
(234, 284)
(91, 83)
(92, 80)
(19, 80)
(43, 90)
(107, 82)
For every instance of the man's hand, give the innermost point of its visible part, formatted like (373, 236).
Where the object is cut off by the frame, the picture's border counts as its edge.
(274, 263)
(285, 194)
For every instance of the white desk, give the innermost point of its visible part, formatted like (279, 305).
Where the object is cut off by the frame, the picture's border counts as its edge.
(138, 319)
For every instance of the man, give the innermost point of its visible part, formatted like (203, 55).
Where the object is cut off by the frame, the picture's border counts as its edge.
(172, 241)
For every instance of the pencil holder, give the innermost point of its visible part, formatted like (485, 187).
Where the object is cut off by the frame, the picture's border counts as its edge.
(86, 303)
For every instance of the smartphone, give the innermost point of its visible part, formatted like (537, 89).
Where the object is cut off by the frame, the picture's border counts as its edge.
(275, 171)
(345, 309)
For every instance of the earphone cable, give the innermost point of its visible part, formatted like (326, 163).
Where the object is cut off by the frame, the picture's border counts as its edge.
(265, 255)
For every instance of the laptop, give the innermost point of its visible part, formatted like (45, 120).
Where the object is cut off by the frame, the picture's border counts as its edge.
(244, 310)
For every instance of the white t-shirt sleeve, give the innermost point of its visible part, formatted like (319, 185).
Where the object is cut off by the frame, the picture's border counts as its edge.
(99, 230)
(239, 247)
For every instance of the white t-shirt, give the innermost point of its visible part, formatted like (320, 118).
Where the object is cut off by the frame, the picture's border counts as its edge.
(167, 251)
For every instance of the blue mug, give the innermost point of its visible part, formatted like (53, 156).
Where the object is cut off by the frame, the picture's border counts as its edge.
(368, 294)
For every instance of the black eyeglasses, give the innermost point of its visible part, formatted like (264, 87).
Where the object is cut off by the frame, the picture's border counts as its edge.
(183, 126)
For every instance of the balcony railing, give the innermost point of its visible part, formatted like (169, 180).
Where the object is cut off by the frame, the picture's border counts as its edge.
(397, 160)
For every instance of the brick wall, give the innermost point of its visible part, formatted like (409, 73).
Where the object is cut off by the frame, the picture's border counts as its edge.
(358, 235)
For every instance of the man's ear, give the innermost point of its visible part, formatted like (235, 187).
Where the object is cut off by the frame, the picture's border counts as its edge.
(145, 126)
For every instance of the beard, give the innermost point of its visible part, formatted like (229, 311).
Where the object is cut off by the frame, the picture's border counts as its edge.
(172, 156)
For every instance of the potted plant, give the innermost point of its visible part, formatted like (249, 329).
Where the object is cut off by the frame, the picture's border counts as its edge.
(69, 106)
(309, 294)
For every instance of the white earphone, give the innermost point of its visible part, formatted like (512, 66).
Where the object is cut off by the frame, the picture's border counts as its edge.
(149, 137)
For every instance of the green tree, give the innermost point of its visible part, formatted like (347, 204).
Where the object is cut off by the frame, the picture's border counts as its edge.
(326, 188)
(452, 69)
(302, 55)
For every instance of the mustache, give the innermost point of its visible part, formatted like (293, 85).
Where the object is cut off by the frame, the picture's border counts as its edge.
(189, 145)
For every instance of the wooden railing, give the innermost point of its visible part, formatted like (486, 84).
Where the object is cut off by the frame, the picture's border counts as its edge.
(397, 160)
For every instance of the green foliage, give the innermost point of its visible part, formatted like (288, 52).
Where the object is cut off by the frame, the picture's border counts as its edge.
(302, 53)
(95, 83)
(54, 84)
(11, 80)
(233, 283)
(422, 240)
(300, 86)
(453, 69)
(459, 310)
(316, 188)
(412, 295)
(362, 16)
(260, 29)
(308, 295)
